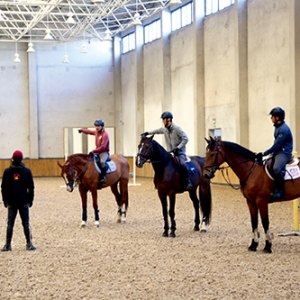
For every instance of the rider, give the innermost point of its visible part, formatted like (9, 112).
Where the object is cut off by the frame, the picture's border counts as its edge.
(281, 150)
(101, 151)
(176, 140)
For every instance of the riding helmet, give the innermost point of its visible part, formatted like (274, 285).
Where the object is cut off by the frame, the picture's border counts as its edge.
(166, 115)
(278, 111)
(99, 123)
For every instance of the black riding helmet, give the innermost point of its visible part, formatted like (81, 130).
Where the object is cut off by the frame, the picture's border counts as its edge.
(166, 115)
(278, 111)
(99, 123)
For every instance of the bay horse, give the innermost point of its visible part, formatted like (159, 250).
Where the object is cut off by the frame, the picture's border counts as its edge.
(256, 186)
(80, 169)
(167, 181)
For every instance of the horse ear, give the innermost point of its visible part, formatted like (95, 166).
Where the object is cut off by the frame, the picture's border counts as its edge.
(151, 137)
(207, 141)
(59, 164)
(211, 139)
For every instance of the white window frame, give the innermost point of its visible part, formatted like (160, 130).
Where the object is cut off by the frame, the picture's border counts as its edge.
(128, 42)
(182, 16)
(152, 31)
(213, 6)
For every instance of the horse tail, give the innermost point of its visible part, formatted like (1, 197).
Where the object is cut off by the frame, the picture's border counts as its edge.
(205, 200)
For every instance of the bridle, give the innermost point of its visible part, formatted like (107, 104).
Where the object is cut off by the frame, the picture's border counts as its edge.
(146, 157)
(216, 166)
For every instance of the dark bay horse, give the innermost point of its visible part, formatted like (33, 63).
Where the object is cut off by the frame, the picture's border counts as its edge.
(168, 183)
(255, 184)
(80, 168)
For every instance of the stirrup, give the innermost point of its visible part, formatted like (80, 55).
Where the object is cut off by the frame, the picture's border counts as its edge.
(277, 194)
(189, 185)
(103, 179)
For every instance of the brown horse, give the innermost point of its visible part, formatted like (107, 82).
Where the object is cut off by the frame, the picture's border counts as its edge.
(255, 184)
(80, 168)
(167, 180)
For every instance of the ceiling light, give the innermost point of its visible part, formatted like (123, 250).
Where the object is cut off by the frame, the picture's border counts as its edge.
(48, 35)
(83, 49)
(70, 19)
(107, 36)
(136, 19)
(66, 59)
(98, 1)
(17, 59)
(30, 47)
(17, 56)
(177, 2)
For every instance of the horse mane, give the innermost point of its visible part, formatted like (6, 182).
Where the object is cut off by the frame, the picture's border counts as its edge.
(239, 150)
(78, 156)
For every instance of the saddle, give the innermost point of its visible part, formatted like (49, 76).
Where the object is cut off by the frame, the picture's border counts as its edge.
(292, 170)
(111, 166)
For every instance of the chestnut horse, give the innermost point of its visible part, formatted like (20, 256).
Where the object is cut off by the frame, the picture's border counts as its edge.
(255, 184)
(167, 180)
(80, 168)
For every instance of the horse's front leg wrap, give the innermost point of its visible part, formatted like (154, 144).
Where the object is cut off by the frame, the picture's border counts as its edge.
(96, 214)
(84, 215)
(256, 235)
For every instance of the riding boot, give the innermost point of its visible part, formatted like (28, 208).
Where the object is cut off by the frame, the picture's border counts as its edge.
(187, 180)
(29, 245)
(103, 172)
(9, 233)
(278, 192)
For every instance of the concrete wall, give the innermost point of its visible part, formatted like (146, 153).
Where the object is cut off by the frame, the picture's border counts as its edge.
(231, 67)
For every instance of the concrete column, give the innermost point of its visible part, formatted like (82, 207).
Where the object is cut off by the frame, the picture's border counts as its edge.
(241, 101)
(118, 94)
(199, 100)
(139, 38)
(166, 46)
(32, 106)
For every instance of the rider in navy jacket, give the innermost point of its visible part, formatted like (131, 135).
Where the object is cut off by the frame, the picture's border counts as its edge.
(281, 150)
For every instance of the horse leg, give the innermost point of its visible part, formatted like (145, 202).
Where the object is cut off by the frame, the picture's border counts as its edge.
(115, 191)
(83, 195)
(95, 206)
(263, 210)
(164, 206)
(205, 202)
(254, 222)
(124, 198)
(172, 215)
(193, 197)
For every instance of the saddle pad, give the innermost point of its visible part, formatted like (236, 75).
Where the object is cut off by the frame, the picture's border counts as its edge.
(291, 172)
(111, 167)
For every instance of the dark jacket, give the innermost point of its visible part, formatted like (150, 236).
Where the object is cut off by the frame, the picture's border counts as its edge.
(283, 143)
(17, 186)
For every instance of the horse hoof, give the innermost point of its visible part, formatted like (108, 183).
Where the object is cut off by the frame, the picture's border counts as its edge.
(196, 228)
(267, 250)
(165, 234)
(97, 224)
(118, 220)
(203, 230)
(172, 234)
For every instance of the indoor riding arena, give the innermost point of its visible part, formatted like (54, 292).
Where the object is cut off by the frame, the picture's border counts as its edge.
(219, 66)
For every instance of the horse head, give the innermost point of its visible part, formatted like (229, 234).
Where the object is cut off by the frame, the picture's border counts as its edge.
(214, 157)
(145, 150)
(68, 174)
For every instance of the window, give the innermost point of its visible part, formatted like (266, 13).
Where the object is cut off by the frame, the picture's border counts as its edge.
(152, 31)
(181, 17)
(213, 6)
(128, 42)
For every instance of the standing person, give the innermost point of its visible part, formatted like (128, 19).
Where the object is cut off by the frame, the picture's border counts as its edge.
(281, 150)
(17, 190)
(102, 146)
(176, 140)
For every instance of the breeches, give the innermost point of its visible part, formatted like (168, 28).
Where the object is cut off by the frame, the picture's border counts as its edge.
(280, 161)
(103, 158)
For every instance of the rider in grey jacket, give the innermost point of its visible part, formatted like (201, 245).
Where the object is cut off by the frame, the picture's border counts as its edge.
(176, 140)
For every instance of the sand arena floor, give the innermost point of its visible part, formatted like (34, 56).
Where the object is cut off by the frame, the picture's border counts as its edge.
(134, 261)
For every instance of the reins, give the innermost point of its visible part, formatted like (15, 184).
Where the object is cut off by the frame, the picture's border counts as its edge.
(79, 177)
